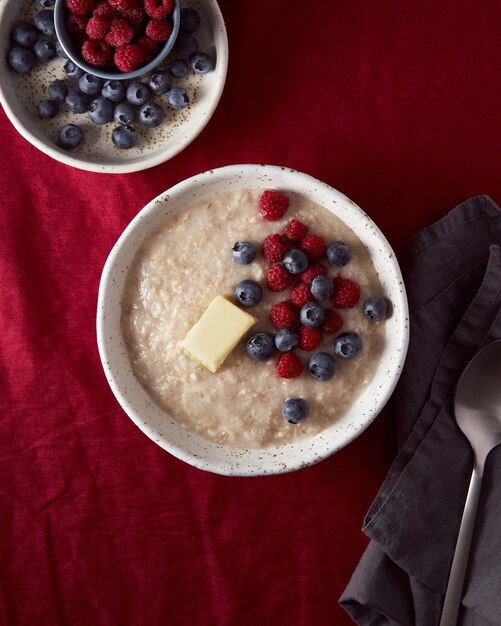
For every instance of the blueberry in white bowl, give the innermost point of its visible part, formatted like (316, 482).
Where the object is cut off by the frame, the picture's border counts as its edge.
(348, 345)
(248, 292)
(70, 136)
(124, 137)
(151, 115)
(295, 410)
(100, 111)
(244, 252)
(260, 346)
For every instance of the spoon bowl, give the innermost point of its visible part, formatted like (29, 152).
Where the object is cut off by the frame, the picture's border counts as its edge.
(477, 408)
(477, 402)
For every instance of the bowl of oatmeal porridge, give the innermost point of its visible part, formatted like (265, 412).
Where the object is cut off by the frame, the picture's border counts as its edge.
(175, 258)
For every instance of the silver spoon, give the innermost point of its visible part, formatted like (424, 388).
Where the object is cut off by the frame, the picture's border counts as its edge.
(477, 406)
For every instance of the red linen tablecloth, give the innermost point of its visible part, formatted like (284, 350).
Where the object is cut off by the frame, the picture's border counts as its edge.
(397, 104)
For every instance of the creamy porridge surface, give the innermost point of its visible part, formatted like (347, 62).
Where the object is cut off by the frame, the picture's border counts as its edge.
(176, 274)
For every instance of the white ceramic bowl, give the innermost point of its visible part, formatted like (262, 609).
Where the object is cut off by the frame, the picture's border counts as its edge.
(21, 93)
(161, 427)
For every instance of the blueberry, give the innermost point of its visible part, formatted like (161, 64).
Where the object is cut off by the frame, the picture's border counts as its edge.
(24, 34)
(244, 252)
(57, 90)
(179, 68)
(44, 21)
(376, 309)
(59, 50)
(77, 102)
(151, 115)
(322, 366)
(72, 70)
(160, 83)
(178, 98)
(90, 85)
(113, 90)
(312, 315)
(260, 346)
(44, 50)
(286, 340)
(185, 46)
(190, 21)
(70, 136)
(21, 60)
(124, 137)
(138, 93)
(124, 114)
(48, 109)
(100, 111)
(322, 288)
(347, 345)
(201, 63)
(46, 3)
(295, 261)
(338, 253)
(295, 410)
(248, 292)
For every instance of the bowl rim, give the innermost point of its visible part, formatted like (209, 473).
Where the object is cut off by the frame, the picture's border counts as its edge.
(141, 162)
(140, 221)
(63, 37)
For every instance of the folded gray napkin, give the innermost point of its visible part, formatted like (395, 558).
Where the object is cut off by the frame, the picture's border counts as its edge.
(453, 280)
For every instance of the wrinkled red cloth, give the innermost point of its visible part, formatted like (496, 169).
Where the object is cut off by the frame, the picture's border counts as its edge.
(395, 104)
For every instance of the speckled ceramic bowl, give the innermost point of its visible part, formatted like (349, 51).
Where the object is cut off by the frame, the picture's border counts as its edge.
(20, 95)
(163, 428)
(69, 46)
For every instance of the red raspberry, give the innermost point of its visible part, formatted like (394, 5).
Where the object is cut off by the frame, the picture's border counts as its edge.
(159, 30)
(97, 27)
(104, 9)
(148, 46)
(300, 295)
(332, 321)
(283, 315)
(96, 52)
(273, 205)
(121, 5)
(289, 366)
(346, 293)
(134, 16)
(295, 230)
(314, 246)
(128, 58)
(158, 9)
(121, 33)
(311, 272)
(274, 248)
(76, 24)
(279, 278)
(80, 7)
(309, 338)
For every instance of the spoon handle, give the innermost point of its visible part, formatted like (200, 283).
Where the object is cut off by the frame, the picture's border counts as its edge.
(454, 591)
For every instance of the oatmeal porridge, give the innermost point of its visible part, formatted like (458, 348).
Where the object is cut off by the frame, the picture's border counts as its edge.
(178, 272)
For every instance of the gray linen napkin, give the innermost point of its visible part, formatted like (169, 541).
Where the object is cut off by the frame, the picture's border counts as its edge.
(453, 280)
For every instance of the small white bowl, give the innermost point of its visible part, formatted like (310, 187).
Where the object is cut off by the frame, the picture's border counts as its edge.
(162, 428)
(20, 95)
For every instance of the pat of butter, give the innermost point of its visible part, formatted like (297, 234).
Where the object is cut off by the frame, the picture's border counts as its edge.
(216, 333)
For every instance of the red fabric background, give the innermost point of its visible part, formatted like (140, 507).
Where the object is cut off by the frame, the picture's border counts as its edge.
(397, 104)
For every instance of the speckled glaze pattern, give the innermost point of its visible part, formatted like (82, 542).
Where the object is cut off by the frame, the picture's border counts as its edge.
(21, 93)
(162, 428)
